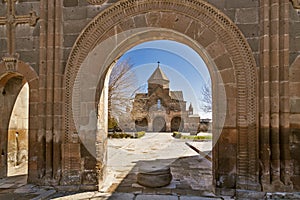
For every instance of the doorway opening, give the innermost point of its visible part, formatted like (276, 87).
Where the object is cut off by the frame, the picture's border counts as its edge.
(14, 107)
(158, 106)
(17, 147)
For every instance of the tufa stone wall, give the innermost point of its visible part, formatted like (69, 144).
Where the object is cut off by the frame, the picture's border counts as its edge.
(259, 143)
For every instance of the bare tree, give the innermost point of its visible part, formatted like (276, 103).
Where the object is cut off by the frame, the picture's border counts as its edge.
(122, 84)
(206, 98)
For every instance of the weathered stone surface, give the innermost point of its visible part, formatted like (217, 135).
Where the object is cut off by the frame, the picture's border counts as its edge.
(154, 175)
(257, 93)
(156, 197)
(70, 3)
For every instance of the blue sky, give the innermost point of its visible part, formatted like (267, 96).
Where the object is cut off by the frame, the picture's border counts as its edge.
(182, 65)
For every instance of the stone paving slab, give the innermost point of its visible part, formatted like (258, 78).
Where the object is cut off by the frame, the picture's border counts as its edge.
(7, 185)
(45, 195)
(198, 198)
(156, 197)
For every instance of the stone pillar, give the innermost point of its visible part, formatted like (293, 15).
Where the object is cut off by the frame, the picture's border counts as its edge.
(51, 106)
(274, 94)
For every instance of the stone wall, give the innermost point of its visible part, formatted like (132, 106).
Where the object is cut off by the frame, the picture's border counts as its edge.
(295, 93)
(294, 33)
(258, 93)
(245, 14)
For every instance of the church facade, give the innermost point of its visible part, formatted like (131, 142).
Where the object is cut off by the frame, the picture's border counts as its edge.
(65, 49)
(162, 110)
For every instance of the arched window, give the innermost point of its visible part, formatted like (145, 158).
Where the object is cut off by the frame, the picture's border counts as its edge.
(158, 104)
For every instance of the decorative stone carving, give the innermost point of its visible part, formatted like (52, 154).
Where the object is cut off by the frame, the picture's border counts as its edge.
(296, 4)
(11, 62)
(11, 20)
(96, 2)
(228, 34)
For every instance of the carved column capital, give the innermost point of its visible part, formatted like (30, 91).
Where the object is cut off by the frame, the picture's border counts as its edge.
(10, 62)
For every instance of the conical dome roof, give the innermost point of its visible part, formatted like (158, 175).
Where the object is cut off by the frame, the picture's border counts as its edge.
(158, 76)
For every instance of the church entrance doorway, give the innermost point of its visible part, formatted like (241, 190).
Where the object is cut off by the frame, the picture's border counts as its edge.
(159, 124)
(177, 124)
(141, 125)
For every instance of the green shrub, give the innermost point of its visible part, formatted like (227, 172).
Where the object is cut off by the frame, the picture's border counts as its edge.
(195, 137)
(139, 134)
(177, 134)
(119, 135)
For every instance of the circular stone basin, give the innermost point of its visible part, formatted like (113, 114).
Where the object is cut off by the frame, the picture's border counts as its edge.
(154, 176)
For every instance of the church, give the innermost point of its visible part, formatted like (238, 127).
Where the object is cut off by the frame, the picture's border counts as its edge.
(56, 57)
(162, 110)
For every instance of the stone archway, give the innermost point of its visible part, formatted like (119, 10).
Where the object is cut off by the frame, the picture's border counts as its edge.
(177, 124)
(220, 43)
(159, 124)
(141, 125)
(24, 73)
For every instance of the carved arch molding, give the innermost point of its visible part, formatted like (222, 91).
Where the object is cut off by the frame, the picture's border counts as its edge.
(96, 2)
(200, 12)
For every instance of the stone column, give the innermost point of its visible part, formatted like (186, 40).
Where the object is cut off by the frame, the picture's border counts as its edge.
(51, 74)
(274, 91)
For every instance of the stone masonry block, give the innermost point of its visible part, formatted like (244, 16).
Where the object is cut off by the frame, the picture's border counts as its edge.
(224, 62)
(295, 105)
(2, 11)
(3, 32)
(128, 24)
(153, 19)
(295, 28)
(24, 43)
(228, 76)
(254, 44)
(167, 19)
(230, 13)
(24, 31)
(24, 8)
(70, 3)
(247, 16)
(295, 89)
(3, 45)
(92, 11)
(83, 3)
(69, 40)
(241, 4)
(231, 90)
(295, 129)
(195, 30)
(207, 37)
(181, 23)
(140, 21)
(219, 4)
(294, 44)
(249, 30)
(74, 26)
(29, 56)
(71, 13)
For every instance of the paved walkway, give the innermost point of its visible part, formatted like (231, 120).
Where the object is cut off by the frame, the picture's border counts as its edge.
(192, 176)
